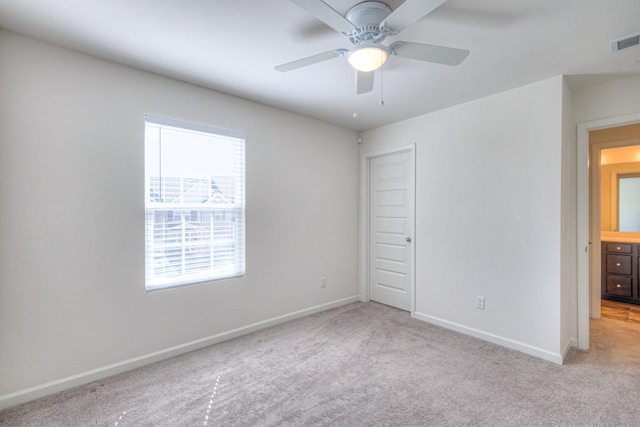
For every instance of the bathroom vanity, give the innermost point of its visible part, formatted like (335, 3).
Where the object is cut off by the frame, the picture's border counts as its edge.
(620, 271)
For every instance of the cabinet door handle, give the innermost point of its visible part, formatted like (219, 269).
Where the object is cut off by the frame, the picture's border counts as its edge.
(618, 285)
(617, 264)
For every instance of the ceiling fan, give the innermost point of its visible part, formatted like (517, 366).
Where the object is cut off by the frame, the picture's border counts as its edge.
(366, 25)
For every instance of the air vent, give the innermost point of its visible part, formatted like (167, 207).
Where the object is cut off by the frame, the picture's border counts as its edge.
(624, 43)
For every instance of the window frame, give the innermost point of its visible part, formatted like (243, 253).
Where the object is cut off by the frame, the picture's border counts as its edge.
(237, 205)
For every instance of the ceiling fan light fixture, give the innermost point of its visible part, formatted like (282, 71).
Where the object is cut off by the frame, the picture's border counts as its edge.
(368, 56)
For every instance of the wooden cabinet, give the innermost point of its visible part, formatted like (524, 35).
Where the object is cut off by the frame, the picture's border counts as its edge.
(620, 272)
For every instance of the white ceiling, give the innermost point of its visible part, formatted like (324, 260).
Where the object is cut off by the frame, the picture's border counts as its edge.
(232, 47)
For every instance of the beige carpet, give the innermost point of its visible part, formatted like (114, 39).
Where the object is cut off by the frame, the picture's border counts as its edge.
(361, 365)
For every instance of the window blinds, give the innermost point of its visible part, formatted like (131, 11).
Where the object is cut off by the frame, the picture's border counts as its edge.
(194, 203)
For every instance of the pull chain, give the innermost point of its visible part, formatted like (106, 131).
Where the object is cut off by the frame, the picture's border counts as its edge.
(355, 95)
(381, 86)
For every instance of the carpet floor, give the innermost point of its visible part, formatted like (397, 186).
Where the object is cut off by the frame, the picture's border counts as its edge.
(363, 364)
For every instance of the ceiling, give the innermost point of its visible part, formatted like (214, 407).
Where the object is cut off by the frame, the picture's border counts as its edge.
(610, 156)
(233, 46)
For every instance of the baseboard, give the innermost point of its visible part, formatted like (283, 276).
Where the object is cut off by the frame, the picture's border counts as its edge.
(22, 396)
(571, 342)
(485, 336)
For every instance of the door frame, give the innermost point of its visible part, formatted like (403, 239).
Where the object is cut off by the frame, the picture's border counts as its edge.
(588, 282)
(365, 188)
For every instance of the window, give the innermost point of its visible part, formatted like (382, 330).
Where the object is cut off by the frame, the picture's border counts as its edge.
(194, 203)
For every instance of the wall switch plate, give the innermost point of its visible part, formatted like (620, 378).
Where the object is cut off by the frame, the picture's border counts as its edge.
(323, 282)
(480, 303)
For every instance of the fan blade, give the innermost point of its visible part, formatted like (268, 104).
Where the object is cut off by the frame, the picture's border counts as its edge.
(429, 53)
(310, 60)
(409, 12)
(365, 82)
(326, 14)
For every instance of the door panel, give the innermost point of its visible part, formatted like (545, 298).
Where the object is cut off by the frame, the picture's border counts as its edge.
(390, 183)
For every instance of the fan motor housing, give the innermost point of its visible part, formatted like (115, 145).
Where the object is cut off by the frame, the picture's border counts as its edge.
(367, 18)
(368, 13)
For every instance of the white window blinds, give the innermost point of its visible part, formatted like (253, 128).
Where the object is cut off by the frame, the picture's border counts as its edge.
(195, 205)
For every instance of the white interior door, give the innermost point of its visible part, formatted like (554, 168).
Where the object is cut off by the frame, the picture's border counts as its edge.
(390, 229)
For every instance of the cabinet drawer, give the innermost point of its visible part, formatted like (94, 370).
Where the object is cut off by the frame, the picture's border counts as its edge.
(619, 286)
(618, 247)
(619, 264)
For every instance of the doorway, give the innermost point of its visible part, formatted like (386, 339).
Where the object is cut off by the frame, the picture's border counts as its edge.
(615, 153)
(387, 208)
(588, 223)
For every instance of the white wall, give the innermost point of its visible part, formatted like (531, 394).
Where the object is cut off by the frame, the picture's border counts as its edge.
(489, 215)
(72, 296)
(612, 99)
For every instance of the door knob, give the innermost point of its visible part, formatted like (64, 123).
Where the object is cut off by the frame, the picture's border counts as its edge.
(408, 239)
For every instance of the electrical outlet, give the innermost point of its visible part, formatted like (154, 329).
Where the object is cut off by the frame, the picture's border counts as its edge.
(480, 303)
(323, 282)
